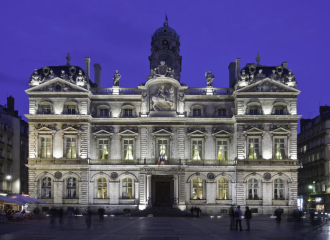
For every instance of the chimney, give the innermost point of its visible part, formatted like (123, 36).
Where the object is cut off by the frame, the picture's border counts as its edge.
(10, 104)
(97, 74)
(232, 69)
(285, 65)
(88, 67)
(238, 66)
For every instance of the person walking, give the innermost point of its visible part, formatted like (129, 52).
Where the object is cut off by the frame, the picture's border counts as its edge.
(88, 218)
(247, 216)
(278, 214)
(232, 217)
(192, 211)
(238, 217)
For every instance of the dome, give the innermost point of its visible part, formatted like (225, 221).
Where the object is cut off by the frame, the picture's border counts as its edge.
(165, 31)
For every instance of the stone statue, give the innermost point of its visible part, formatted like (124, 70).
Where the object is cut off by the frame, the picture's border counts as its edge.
(181, 102)
(64, 75)
(273, 76)
(116, 78)
(144, 101)
(163, 100)
(35, 78)
(80, 77)
(260, 75)
(51, 75)
(162, 69)
(209, 78)
(171, 92)
(243, 76)
(290, 77)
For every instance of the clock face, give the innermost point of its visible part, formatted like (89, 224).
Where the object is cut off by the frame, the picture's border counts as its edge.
(165, 42)
(167, 58)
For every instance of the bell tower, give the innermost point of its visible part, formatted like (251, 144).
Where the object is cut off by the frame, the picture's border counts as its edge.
(165, 46)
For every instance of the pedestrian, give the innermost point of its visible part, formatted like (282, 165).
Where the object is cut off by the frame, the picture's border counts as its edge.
(199, 212)
(192, 211)
(247, 216)
(238, 217)
(88, 219)
(278, 214)
(101, 213)
(232, 217)
(60, 216)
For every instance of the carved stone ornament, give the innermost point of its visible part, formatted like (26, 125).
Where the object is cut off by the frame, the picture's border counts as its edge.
(58, 175)
(132, 129)
(50, 126)
(168, 129)
(104, 128)
(75, 126)
(147, 169)
(228, 129)
(210, 176)
(114, 175)
(267, 176)
(190, 130)
(163, 99)
(57, 87)
(209, 78)
(176, 169)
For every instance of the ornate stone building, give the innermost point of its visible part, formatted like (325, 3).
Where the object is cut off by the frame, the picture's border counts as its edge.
(164, 143)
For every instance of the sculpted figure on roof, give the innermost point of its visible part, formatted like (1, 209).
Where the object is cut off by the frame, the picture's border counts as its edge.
(209, 78)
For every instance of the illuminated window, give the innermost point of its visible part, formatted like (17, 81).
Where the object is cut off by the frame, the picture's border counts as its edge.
(103, 149)
(223, 189)
(222, 150)
(46, 187)
(197, 188)
(279, 189)
(254, 148)
(253, 188)
(127, 188)
(71, 188)
(102, 188)
(197, 147)
(162, 149)
(280, 148)
(45, 147)
(128, 150)
(71, 147)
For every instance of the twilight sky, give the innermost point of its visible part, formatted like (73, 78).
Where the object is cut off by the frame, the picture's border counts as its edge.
(117, 35)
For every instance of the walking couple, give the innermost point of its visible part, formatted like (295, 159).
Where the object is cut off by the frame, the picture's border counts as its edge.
(236, 215)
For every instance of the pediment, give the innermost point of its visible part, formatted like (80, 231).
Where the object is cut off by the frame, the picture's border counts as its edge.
(222, 133)
(254, 131)
(45, 129)
(102, 132)
(128, 133)
(71, 130)
(56, 85)
(197, 133)
(267, 85)
(162, 132)
(280, 131)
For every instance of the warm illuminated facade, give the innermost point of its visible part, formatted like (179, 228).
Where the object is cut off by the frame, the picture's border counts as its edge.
(164, 143)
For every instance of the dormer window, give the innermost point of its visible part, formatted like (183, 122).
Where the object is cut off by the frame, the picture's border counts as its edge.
(222, 112)
(71, 109)
(128, 112)
(253, 110)
(197, 112)
(45, 109)
(104, 113)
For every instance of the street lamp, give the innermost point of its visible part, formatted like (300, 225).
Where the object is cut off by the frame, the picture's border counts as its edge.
(8, 177)
(310, 187)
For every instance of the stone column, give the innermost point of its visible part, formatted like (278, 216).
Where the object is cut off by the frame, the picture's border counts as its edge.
(149, 190)
(176, 190)
(136, 192)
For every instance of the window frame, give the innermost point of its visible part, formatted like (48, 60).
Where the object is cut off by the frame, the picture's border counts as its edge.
(284, 189)
(257, 181)
(192, 149)
(40, 145)
(285, 147)
(248, 147)
(76, 188)
(102, 187)
(216, 148)
(223, 188)
(66, 136)
(98, 147)
(192, 188)
(123, 148)
(126, 187)
(42, 187)
(168, 147)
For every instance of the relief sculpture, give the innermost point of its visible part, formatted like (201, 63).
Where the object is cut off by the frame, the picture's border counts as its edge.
(164, 99)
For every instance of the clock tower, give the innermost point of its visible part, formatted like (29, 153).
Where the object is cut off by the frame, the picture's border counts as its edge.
(165, 46)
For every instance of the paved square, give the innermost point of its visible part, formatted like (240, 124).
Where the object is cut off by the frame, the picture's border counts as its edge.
(161, 228)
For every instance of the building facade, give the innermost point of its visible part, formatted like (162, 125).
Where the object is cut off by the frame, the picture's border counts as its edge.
(164, 143)
(13, 150)
(313, 155)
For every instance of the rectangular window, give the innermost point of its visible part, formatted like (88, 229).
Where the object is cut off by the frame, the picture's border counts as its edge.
(253, 110)
(71, 147)
(280, 148)
(45, 109)
(222, 112)
(71, 109)
(279, 111)
(128, 150)
(127, 185)
(222, 150)
(254, 148)
(46, 147)
(104, 113)
(197, 147)
(197, 112)
(128, 112)
(103, 149)
(162, 149)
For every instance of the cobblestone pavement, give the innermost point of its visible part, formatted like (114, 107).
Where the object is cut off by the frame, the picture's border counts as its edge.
(176, 228)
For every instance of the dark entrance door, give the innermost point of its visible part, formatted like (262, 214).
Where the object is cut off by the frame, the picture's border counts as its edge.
(162, 194)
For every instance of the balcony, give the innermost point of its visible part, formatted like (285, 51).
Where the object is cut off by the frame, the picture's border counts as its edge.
(167, 162)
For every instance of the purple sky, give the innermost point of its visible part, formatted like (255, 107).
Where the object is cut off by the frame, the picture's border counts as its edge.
(117, 35)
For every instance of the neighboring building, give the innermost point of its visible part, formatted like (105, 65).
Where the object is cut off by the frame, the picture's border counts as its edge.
(314, 155)
(13, 150)
(164, 143)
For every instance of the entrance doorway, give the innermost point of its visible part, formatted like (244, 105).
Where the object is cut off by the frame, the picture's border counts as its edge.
(162, 191)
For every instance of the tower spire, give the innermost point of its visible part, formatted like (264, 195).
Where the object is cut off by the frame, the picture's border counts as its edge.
(68, 58)
(166, 20)
(258, 59)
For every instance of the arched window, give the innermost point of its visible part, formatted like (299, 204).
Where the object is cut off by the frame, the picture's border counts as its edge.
(102, 188)
(280, 108)
(254, 108)
(197, 111)
(128, 111)
(127, 188)
(253, 189)
(71, 188)
(46, 187)
(197, 188)
(279, 189)
(45, 107)
(223, 189)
